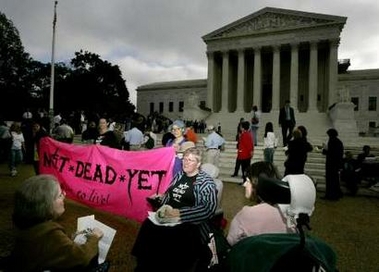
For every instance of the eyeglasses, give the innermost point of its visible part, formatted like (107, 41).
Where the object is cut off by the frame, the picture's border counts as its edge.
(175, 129)
(62, 195)
(189, 160)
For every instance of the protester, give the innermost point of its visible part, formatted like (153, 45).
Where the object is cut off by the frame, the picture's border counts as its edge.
(334, 163)
(287, 121)
(213, 144)
(279, 202)
(89, 135)
(167, 137)
(38, 133)
(17, 148)
(134, 138)
(366, 170)
(149, 139)
(190, 134)
(41, 244)
(190, 201)
(177, 129)
(245, 150)
(27, 115)
(296, 152)
(64, 132)
(349, 174)
(265, 217)
(5, 141)
(106, 137)
(255, 120)
(270, 142)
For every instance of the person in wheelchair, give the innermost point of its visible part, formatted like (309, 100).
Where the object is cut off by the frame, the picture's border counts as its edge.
(270, 236)
(266, 216)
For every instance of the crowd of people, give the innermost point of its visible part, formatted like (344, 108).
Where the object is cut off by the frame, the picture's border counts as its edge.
(185, 211)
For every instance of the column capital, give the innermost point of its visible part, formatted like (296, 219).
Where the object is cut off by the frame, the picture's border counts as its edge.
(276, 47)
(257, 48)
(313, 44)
(225, 52)
(294, 45)
(334, 42)
(210, 54)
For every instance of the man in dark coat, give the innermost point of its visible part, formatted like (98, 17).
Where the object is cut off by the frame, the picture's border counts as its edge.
(287, 121)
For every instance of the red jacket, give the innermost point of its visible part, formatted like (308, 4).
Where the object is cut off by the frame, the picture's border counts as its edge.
(245, 146)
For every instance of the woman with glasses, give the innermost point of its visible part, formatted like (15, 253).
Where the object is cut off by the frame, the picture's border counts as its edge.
(41, 243)
(177, 239)
(177, 129)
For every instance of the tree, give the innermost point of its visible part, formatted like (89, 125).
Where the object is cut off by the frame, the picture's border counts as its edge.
(96, 85)
(14, 63)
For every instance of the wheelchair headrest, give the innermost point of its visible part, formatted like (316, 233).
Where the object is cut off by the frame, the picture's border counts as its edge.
(273, 191)
(303, 198)
(295, 194)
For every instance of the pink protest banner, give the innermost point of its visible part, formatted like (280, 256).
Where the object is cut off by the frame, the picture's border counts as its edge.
(108, 179)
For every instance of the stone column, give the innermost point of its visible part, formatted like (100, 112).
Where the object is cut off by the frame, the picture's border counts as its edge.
(313, 77)
(210, 88)
(294, 75)
(225, 82)
(241, 80)
(333, 71)
(276, 79)
(257, 77)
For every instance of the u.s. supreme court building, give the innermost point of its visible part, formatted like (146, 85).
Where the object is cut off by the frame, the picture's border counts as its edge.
(264, 59)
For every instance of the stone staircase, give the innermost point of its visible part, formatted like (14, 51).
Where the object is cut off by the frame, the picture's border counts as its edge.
(314, 167)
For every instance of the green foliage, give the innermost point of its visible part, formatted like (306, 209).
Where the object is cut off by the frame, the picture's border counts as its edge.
(96, 85)
(13, 65)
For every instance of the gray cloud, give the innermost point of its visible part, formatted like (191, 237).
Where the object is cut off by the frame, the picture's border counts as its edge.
(159, 40)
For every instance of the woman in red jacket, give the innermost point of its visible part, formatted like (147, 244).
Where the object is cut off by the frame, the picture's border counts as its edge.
(245, 150)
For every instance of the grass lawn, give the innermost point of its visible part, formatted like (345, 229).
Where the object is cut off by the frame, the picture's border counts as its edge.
(350, 225)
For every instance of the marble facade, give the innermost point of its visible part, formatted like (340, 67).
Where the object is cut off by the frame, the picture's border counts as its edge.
(264, 59)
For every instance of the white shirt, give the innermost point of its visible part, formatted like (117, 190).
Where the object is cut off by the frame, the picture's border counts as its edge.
(17, 140)
(214, 140)
(270, 141)
(134, 137)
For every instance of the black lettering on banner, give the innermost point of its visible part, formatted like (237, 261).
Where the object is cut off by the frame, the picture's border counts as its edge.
(110, 175)
(98, 175)
(82, 170)
(142, 179)
(131, 175)
(55, 160)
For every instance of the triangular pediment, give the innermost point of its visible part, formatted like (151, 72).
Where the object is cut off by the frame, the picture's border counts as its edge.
(274, 20)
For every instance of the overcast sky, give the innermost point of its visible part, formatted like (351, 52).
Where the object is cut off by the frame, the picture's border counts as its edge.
(160, 40)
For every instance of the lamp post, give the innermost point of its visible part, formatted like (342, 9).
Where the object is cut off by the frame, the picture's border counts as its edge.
(51, 104)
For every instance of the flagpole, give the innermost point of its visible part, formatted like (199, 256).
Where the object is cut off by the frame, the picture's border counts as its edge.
(51, 104)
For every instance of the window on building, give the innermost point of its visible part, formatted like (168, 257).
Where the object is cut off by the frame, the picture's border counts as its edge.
(355, 101)
(372, 103)
(372, 124)
(161, 107)
(171, 106)
(181, 106)
(151, 107)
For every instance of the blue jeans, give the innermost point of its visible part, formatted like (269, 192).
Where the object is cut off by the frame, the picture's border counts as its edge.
(15, 158)
(254, 134)
(268, 154)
